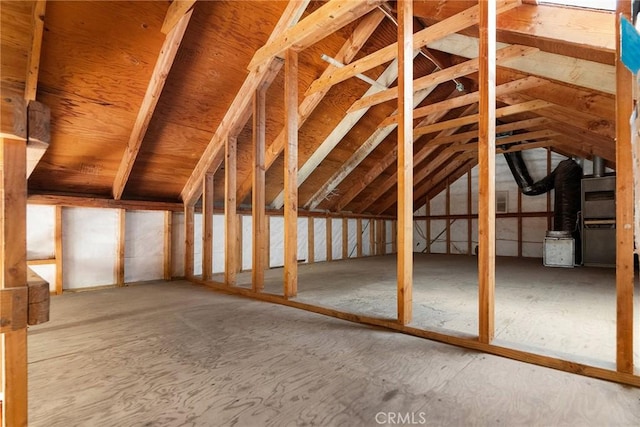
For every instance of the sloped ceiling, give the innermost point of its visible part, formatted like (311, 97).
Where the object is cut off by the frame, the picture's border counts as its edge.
(98, 59)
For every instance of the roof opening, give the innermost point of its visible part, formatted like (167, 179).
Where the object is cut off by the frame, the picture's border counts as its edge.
(588, 4)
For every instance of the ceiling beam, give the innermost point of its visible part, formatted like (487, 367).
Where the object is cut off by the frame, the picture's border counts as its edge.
(33, 61)
(519, 125)
(152, 95)
(470, 98)
(460, 21)
(419, 156)
(576, 117)
(459, 70)
(580, 72)
(550, 28)
(177, 10)
(473, 118)
(347, 52)
(473, 146)
(214, 151)
(327, 19)
(389, 75)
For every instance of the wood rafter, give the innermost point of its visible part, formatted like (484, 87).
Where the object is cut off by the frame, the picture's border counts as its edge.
(33, 61)
(236, 115)
(470, 98)
(559, 30)
(152, 95)
(450, 25)
(327, 19)
(467, 120)
(176, 12)
(438, 77)
(346, 54)
(421, 155)
(388, 76)
(580, 72)
(464, 136)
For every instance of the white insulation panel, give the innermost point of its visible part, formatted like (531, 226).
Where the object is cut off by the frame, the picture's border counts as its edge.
(144, 246)
(89, 247)
(40, 232)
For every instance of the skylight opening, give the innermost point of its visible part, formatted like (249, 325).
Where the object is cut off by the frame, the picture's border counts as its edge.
(587, 4)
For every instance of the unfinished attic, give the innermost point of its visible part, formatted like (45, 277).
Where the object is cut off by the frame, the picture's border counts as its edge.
(319, 212)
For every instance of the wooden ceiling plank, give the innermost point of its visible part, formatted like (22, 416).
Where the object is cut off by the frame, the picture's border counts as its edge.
(455, 23)
(466, 120)
(176, 12)
(243, 98)
(389, 75)
(426, 82)
(347, 52)
(579, 72)
(152, 95)
(327, 19)
(33, 60)
(470, 98)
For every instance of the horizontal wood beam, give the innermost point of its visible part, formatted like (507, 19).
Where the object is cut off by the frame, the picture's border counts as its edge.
(468, 99)
(467, 120)
(159, 76)
(434, 79)
(455, 23)
(519, 147)
(465, 136)
(327, 19)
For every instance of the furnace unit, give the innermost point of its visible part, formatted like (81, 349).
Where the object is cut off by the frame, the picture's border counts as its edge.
(599, 221)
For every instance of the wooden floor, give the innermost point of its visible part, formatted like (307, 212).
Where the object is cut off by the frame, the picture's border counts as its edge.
(173, 354)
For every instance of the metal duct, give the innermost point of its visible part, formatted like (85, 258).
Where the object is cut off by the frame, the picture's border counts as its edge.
(598, 167)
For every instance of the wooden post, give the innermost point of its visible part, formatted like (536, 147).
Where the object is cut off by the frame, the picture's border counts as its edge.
(345, 238)
(58, 250)
(13, 275)
(122, 214)
(359, 237)
(469, 216)
(405, 160)
(486, 161)
(260, 222)
(310, 240)
(549, 217)
(239, 240)
(624, 204)
(448, 214)
(519, 224)
(188, 241)
(372, 237)
(428, 225)
(329, 239)
(383, 237)
(168, 245)
(207, 226)
(267, 242)
(291, 174)
(231, 260)
(394, 237)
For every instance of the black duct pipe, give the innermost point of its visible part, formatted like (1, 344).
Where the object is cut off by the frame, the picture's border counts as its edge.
(565, 178)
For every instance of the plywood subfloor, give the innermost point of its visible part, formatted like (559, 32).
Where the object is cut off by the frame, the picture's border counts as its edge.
(173, 354)
(564, 312)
